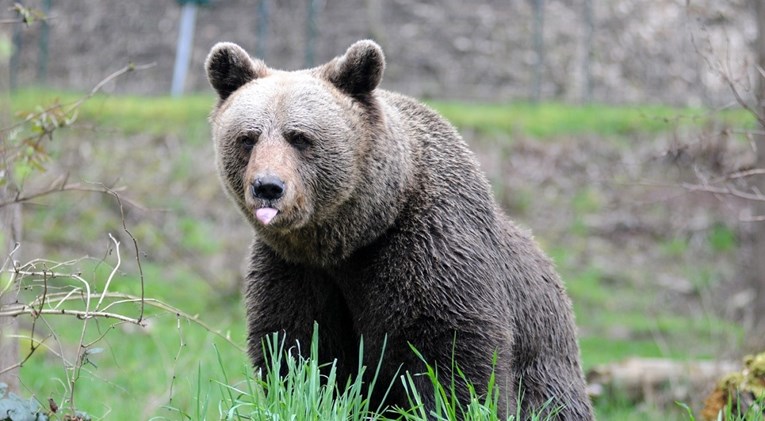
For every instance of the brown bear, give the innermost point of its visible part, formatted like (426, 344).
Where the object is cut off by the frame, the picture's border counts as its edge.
(373, 219)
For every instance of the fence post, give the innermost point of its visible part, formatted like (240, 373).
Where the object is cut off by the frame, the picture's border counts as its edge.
(310, 45)
(15, 60)
(42, 54)
(183, 48)
(589, 28)
(539, 48)
(261, 37)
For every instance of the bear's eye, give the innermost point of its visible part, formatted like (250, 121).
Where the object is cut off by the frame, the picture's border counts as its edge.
(299, 141)
(247, 142)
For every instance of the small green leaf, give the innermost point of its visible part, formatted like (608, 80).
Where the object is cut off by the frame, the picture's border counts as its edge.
(21, 171)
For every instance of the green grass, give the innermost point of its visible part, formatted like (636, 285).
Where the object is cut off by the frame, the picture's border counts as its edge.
(619, 320)
(188, 115)
(310, 391)
(722, 239)
(549, 120)
(141, 371)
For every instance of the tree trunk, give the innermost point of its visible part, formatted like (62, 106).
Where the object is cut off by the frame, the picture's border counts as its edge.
(10, 232)
(757, 336)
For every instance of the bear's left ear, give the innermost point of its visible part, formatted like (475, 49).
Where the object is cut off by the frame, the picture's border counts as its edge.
(229, 67)
(359, 70)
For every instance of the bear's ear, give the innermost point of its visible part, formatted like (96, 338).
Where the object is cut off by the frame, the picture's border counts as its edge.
(229, 67)
(359, 70)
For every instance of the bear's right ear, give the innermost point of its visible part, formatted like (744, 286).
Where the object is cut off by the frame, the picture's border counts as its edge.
(229, 67)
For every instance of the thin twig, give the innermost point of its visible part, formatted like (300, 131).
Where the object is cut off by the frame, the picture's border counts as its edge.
(53, 264)
(103, 335)
(17, 310)
(126, 298)
(137, 253)
(723, 190)
(170, 309)
(740, 100)
(72, 106)
(703, 188)
(9, 260)
(113, 272)
(747, 173)
(181, 344)
(32, 350)
(67, 296)
(85, 318)
(68, 187)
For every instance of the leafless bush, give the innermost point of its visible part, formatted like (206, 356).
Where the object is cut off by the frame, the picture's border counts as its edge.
(39, 290)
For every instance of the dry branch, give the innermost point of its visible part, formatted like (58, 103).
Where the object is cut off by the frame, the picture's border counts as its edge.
(726, 190)
(17, 310)
(57, 189)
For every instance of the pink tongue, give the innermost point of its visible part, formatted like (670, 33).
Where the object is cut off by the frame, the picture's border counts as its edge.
(265, 215)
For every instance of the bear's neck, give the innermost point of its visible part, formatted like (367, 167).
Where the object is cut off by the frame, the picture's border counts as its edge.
(332, 245)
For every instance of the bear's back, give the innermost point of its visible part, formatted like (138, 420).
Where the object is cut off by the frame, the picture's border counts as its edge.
(443, 163)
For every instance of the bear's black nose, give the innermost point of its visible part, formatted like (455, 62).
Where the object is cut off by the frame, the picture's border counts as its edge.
(268, 187)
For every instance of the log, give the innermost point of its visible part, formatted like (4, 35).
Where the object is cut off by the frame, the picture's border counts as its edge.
(657, 382)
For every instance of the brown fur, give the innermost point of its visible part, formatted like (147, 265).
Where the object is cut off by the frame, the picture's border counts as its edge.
(386, 229)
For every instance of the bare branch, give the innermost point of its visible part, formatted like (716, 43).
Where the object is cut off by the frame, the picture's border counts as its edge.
(33, 348)
(17, 310)
(67, 187)
(163, 306)
(740, 100)
(76, 104)
(724, 190)
(125, 298)
(137, 253)
(113, 272)
(87, 315)
(747, 173)
(9, 261)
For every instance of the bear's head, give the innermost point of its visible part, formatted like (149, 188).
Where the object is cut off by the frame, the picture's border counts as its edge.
(314, 159)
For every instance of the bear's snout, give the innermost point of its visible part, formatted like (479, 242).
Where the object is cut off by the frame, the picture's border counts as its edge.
(268, 187)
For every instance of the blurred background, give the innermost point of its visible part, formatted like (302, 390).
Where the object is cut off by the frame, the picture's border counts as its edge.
(626, 51)
(623, 133)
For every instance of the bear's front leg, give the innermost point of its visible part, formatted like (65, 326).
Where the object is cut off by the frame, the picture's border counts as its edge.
(463, 360)
(289, 298)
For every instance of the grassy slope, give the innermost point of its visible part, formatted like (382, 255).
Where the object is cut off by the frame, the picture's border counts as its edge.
(160, 115)
(141, 368)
